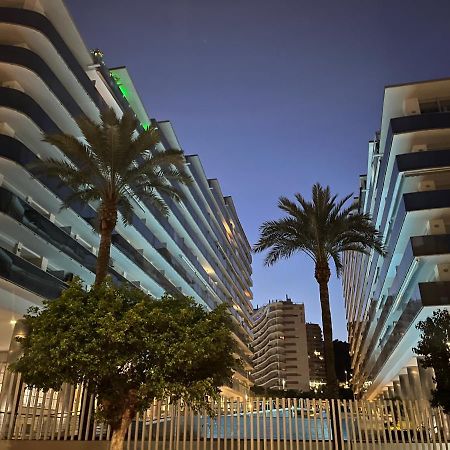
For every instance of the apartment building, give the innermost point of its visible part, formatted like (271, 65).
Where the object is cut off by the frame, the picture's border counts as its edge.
(316, 360)
(280, 346)
(48, 78)
(407, 193)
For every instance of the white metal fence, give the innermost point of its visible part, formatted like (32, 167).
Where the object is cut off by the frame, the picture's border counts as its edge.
(254, 424)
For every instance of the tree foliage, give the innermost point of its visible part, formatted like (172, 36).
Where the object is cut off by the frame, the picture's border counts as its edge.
(127, 348)
(434, 348)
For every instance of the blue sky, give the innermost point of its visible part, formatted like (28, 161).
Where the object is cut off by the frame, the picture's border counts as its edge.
(273, 96)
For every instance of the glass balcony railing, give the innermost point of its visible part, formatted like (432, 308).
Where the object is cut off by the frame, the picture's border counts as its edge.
(435, 293)
(434, 244)
(397, 332)
(25, 214)
(131, 253)
(28, 276)
(180, 242)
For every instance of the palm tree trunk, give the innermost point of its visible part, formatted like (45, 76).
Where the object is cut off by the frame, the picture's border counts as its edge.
(322, 275)
(108, 220)
(118, 434)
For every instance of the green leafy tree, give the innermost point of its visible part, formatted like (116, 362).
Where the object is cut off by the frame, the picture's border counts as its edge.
(434, 347)
(113, 165)
(324, 229)
(127, 348)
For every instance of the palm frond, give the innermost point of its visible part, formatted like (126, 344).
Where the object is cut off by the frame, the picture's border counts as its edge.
(115, 163)
(323, 228)
(109, 117)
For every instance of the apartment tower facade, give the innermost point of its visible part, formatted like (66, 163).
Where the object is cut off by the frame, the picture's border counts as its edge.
(280, 346)
(407, 193)
(316, 360)
(47, 79)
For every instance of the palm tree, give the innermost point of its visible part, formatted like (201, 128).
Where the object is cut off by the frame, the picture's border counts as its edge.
(111, 166)
(323, 228)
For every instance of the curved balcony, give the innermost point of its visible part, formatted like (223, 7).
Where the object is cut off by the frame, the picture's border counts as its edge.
(273, 383)
(28, 276)
(212, 239)
(34, 20)
(40, 23)
(264, 343)
(273, 354)
(137, 258)
(272, 309)
(263, 368)
(16, 100)
(261, 375)
(274, 327)
(262, 355)
(24, 58)
(273, 374)
(23, 213)
(269, 317)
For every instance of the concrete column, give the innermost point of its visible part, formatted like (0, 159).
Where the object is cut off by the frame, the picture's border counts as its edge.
(405, 387)
(391, 392)
(397, 390)
(426, 381)
(414, 382)
(11, 379)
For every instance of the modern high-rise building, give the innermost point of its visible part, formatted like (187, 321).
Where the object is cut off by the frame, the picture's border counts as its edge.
(47, 79)
(407, 193)
(316, 360)
(280, 346)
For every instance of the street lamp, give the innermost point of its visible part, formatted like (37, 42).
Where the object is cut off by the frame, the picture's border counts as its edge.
(346, 380)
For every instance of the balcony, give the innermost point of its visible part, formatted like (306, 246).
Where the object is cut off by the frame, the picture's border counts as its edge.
(437, 244)
(137, 258)
(201, 290)
(36, 21)
(436, 293)
(28, 276)
(429, 159)
(396, 332)
(25, 214)
(411, 162)
(416, 201)
(420, 122)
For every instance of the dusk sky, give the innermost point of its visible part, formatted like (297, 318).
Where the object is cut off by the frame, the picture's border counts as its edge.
(273, 96)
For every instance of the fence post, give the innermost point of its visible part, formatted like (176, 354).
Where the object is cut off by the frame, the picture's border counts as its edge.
(336, 426)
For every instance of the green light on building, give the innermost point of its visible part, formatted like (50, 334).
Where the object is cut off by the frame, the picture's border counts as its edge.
(123, 90)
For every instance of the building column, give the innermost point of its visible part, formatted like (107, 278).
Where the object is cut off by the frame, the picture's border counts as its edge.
(405, 387)
(426, 381)
(11, 380)
(391, 392)
(414, 382)
(397, 390)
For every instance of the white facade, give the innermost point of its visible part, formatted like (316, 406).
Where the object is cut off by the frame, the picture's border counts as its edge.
(48, 78)
(407, 193)
(280, 346)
